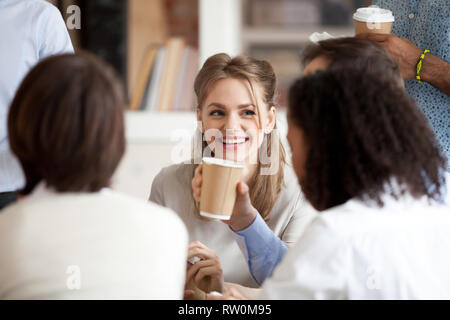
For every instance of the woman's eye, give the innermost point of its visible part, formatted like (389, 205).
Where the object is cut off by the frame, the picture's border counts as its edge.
(216, 113)
(249, 113)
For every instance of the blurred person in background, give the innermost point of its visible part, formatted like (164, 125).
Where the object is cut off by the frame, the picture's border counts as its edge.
(422, 25)
(30, 30)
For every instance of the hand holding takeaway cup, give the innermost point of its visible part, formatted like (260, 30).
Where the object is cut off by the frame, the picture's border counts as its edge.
(216, 185)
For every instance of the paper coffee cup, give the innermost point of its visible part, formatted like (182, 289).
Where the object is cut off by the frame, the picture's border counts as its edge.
(218, 193)
(373, 20)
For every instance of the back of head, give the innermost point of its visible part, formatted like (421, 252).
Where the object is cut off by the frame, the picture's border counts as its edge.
(362, 132)
(367, 57)
(66, 124)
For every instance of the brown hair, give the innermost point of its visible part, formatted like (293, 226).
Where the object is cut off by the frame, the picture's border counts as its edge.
(66, 124)
(264, 189)
(362, 132)
(357, 54)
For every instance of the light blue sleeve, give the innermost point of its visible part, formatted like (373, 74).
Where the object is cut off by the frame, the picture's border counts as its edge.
(262, 249)
(53, 35)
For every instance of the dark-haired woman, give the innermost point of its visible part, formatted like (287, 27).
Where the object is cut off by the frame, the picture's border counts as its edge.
(72, 237)
(366, 158)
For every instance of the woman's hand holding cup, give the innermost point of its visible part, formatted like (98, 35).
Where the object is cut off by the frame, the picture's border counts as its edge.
(243, 211)
(197, 183)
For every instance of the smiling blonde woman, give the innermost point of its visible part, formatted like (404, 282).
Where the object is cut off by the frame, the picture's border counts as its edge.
(235, 102)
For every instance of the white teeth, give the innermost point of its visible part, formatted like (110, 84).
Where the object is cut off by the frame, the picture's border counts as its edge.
(233, 141)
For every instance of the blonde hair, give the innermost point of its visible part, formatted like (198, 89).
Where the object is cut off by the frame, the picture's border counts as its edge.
(264, 189)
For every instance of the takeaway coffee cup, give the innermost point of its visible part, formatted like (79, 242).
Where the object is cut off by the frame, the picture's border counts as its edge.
(218, 194)
(373, 20)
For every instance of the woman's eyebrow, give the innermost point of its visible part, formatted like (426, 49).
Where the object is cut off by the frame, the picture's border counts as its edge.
(221, 106)
(216, 104)
(245, 105)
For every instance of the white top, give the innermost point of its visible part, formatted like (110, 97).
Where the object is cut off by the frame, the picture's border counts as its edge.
(289, 217)
(30, 30)
(354, 251)
(102, 245)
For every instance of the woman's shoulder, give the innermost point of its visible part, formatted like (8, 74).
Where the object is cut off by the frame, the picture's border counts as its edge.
(290, 178)
(179, 171)
(172, 186)
(290, 193)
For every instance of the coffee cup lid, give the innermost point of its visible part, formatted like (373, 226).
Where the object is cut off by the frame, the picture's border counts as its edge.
(373, 14)
(223, 162)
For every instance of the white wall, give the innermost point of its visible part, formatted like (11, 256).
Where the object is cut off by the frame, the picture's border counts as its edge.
(220, 26)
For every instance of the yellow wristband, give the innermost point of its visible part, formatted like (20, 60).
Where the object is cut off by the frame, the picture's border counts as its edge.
(419, 65)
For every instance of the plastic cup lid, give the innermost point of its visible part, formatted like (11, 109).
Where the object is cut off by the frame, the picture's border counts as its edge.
(373, 14)
(224, 163)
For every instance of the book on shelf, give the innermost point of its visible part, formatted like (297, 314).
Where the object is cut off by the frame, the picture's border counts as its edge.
(184, 93)
(174, 50)
(142, 81)
(154, 82)
(166, 78)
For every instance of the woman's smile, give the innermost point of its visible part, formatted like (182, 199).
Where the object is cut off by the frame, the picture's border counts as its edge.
(233, 142)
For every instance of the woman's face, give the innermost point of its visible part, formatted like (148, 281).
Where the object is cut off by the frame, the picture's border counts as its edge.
(230, 123)
(299, 149)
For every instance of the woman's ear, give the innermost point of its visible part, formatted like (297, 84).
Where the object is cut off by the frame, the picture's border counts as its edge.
(270, 120)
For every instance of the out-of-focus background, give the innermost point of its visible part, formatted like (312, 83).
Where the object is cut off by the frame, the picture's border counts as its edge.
(157, 47)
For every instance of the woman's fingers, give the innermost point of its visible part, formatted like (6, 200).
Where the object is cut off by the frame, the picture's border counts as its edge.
(194, 245)
(211, 271)
(197, 244)
(189, 294)
(192, 271)
(202, 253)
(197, 183)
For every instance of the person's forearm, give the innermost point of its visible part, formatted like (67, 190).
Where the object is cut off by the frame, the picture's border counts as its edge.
(436, 72)
(262, 249)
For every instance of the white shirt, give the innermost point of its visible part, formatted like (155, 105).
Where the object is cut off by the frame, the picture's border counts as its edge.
(101, 245)
(355, 251)
(30, 30)
(288, 219)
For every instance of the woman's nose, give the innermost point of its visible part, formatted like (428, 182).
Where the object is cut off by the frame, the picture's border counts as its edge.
(233, 122)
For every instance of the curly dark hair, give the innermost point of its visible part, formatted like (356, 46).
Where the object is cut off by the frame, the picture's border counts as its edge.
(362, 131)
